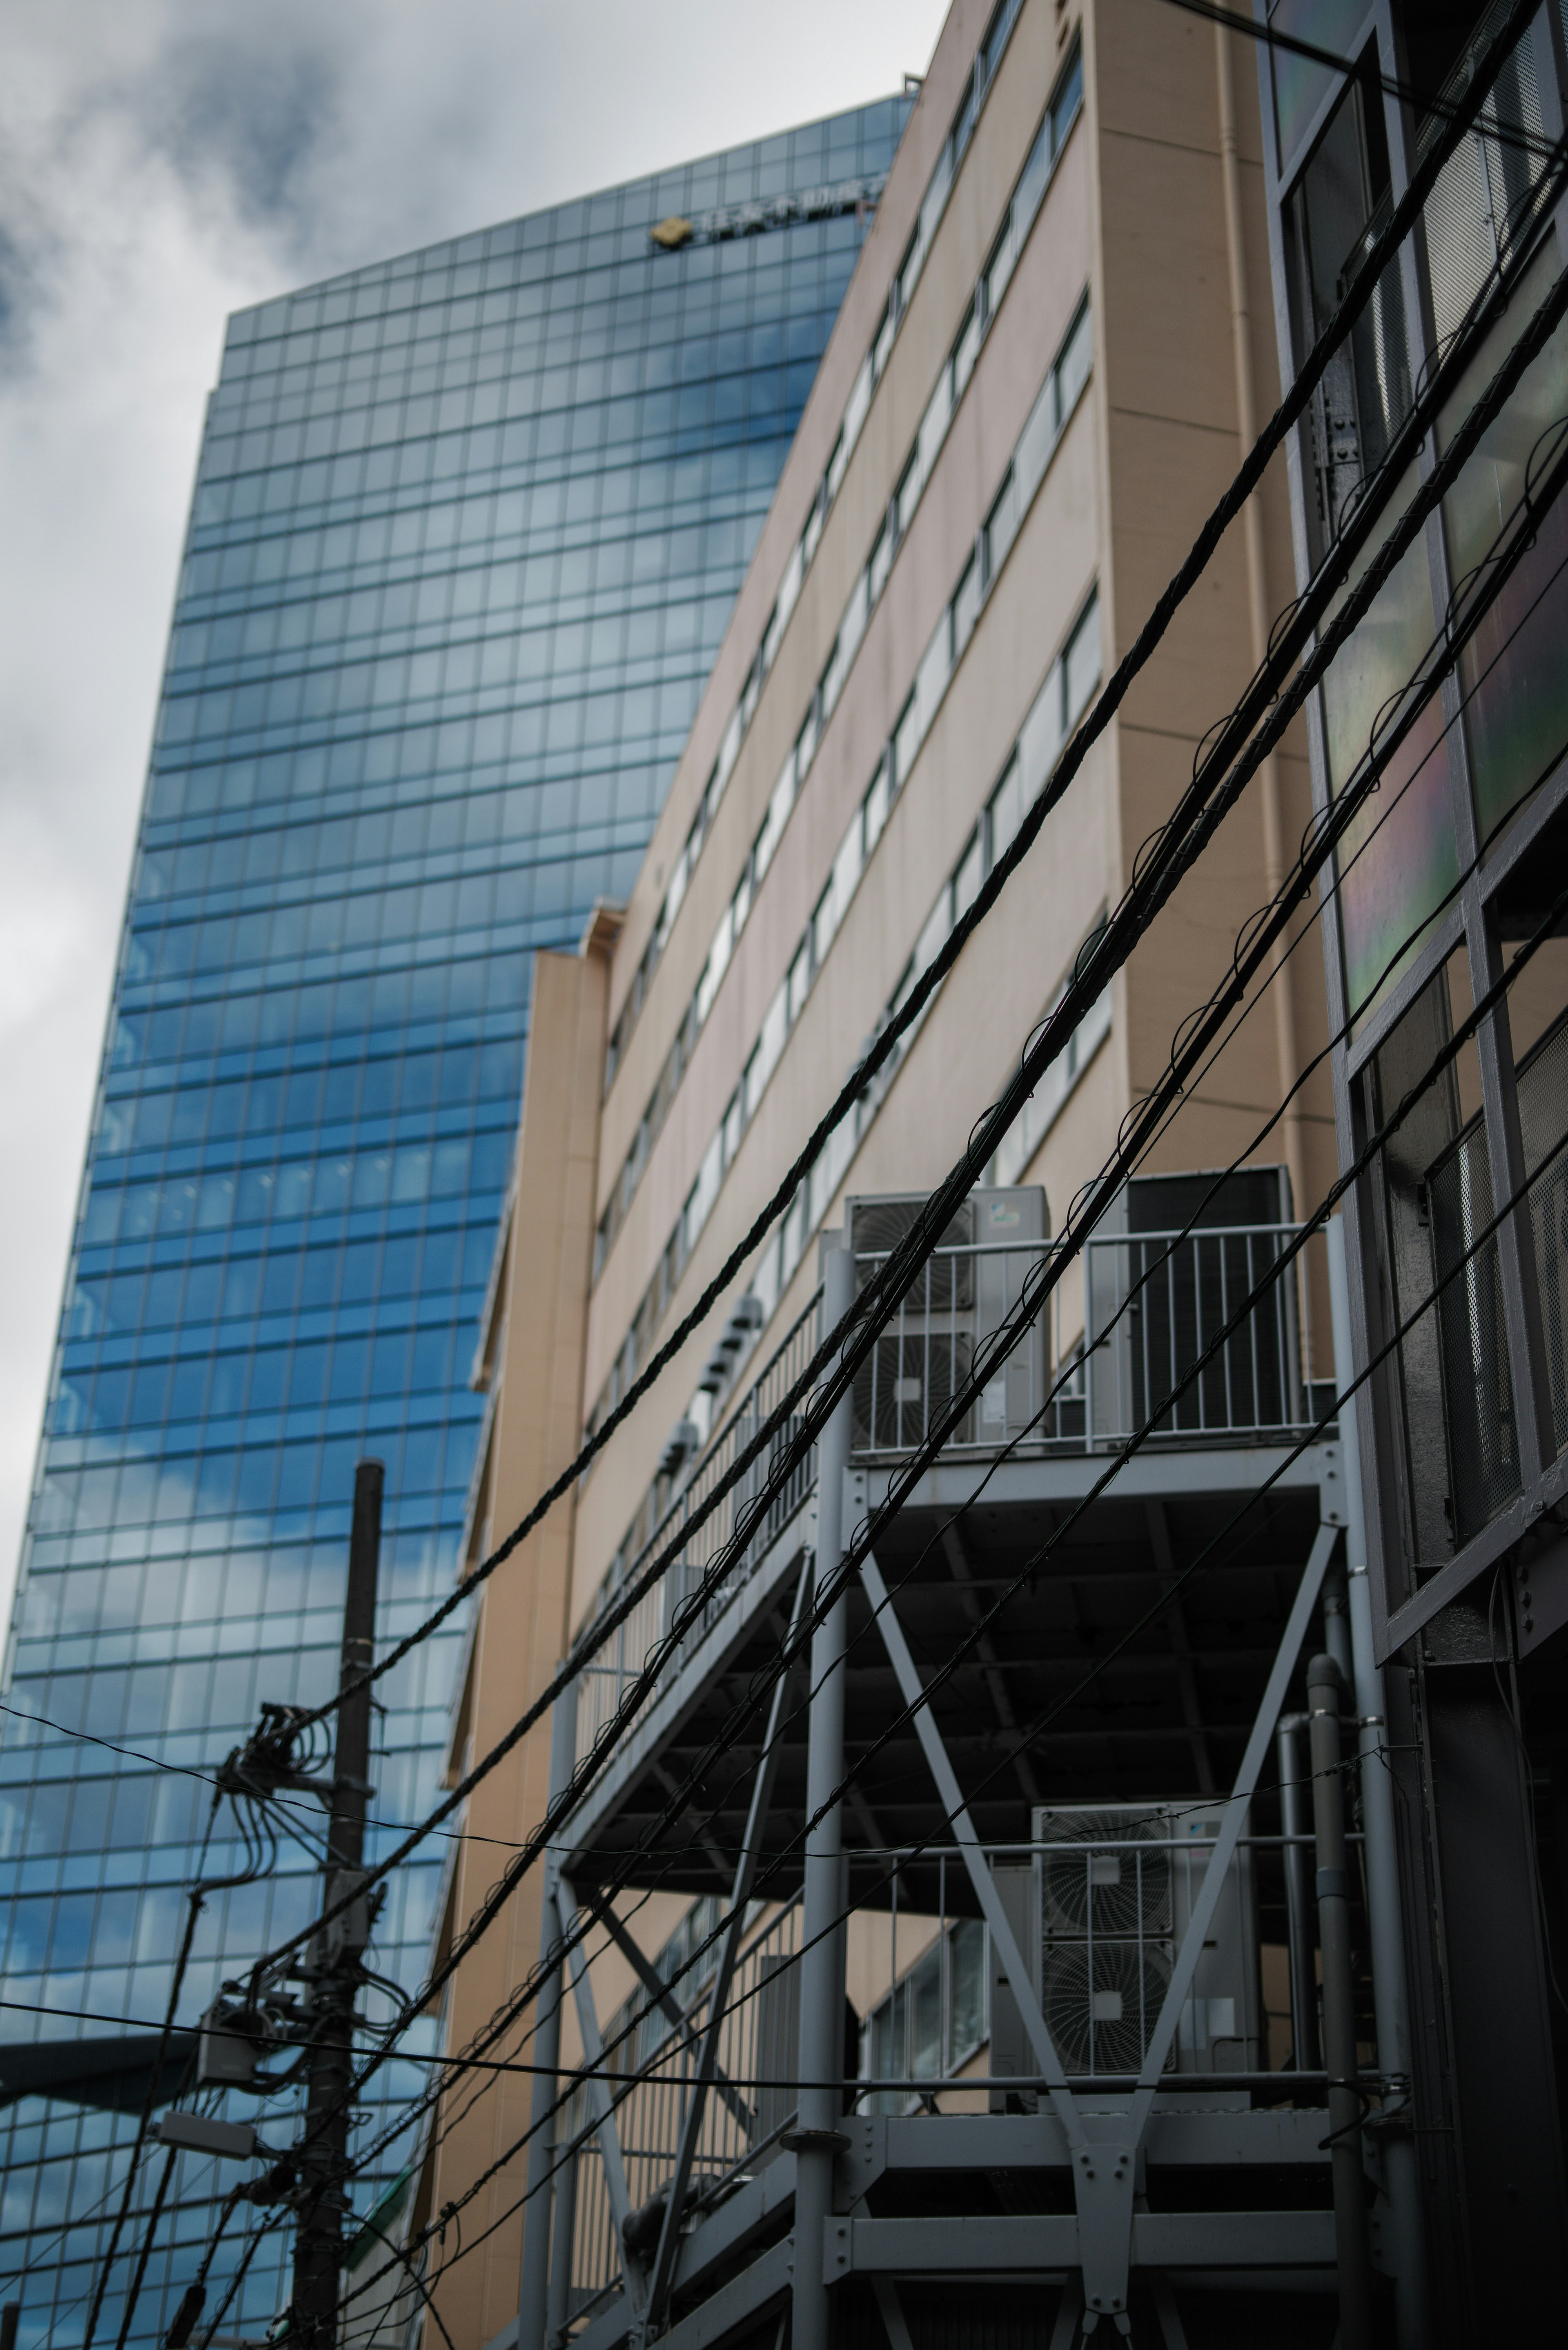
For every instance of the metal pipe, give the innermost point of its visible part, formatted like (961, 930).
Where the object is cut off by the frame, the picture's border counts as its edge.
(1301, 1940)
(533, 2296)
(1324, 1694)
(563, 2241)
(1336, 1625)
(819, 2114)
(1386, 1927)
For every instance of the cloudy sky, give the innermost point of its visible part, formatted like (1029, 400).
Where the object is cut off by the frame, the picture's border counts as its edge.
(162, 164)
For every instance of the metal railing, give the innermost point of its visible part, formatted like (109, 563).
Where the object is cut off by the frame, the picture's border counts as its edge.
(603, 1682)
(1156, 1302)
(745, 2113)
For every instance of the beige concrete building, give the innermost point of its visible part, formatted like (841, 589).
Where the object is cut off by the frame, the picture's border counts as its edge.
(1059, 337)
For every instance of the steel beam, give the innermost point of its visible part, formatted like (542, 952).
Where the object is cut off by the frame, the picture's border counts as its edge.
(599, 2099)
(1010, 2245)
(653, 1983)
(663, 2266)
(1390, 1998)
(533, 2311)
(820, 2106)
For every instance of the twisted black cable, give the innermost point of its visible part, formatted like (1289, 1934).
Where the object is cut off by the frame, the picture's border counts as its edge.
(1288, 413)
(1315, 856)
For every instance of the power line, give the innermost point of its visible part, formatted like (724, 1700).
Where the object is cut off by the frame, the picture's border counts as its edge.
(1366, 69)
(1116, 942)
(1290, 408)
(1175, 870)
(1166, 1598)
(654, 1832)
(1166, 857)
(1322, 849)
(1410, 522)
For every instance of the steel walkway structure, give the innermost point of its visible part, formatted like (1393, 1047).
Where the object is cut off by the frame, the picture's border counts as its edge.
(731, 2167)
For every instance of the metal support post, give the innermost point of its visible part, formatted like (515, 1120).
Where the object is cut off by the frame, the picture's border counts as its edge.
(1299, 1908)
(533, 2316)
(336, 1953)
(820, 2109)
(563, 2242)
(1336, 1625)
(1380, 1858)
(662, 2274)
(1325, 1690)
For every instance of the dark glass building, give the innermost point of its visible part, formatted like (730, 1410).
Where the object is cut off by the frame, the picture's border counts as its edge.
(467, 530)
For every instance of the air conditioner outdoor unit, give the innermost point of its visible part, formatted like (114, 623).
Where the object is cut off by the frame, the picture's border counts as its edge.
(1099, 1913)
(957, 1299)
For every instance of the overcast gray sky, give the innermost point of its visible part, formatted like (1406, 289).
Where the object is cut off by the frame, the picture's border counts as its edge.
(162, 164)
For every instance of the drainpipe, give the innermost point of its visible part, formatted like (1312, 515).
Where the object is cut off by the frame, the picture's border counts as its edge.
(818, 2136)
(1401, 2176)
(1285, 1047)
(1324, 1691)
(1303, 1944)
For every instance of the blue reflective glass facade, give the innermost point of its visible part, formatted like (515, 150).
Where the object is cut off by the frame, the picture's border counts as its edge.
(467, 530)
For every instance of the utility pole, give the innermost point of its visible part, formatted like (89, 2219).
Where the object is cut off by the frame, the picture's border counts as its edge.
(335, 1955)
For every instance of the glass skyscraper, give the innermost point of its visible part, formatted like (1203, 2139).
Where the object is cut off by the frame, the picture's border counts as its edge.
(467, 529)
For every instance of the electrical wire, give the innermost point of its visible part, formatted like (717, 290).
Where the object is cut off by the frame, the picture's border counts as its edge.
(1166, 859)
(1364, 70)
(1088, 1209)
(1166, 1598)
(1354, 300)
(1399, 952)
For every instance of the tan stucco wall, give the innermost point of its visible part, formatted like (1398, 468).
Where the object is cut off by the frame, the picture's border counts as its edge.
(1135, 210)
(522, 1628)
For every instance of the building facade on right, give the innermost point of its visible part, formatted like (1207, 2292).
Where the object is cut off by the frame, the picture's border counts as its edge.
(1448, 983)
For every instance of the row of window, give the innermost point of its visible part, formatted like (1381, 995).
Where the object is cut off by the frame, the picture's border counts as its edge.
(660, 492)
(283, 1282)
(1055, 711)
(421, 1007)
(309, 1094)
(291, 1191)
(229, 1037)
(645, 299)
(548, 898)
(451, 274)
(328, 780)
(405, 1364)
(1025, 471)
(857, 409)
(631, 614)
(297, 1582)
(629, 674)
(252, 1482)
(658, 483)
(523, 429)
(384, 539)
(400, 396)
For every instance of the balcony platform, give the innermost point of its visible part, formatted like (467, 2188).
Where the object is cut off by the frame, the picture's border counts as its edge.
(1165, 1714)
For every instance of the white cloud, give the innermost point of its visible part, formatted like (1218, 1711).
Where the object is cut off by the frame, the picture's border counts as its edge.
(162, 164)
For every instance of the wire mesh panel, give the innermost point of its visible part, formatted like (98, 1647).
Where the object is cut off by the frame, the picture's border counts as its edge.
(1162, 1302)
(751, 2102)
(946, 1322)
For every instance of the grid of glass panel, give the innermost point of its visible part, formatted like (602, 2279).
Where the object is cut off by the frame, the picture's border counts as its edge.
(467, 530)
